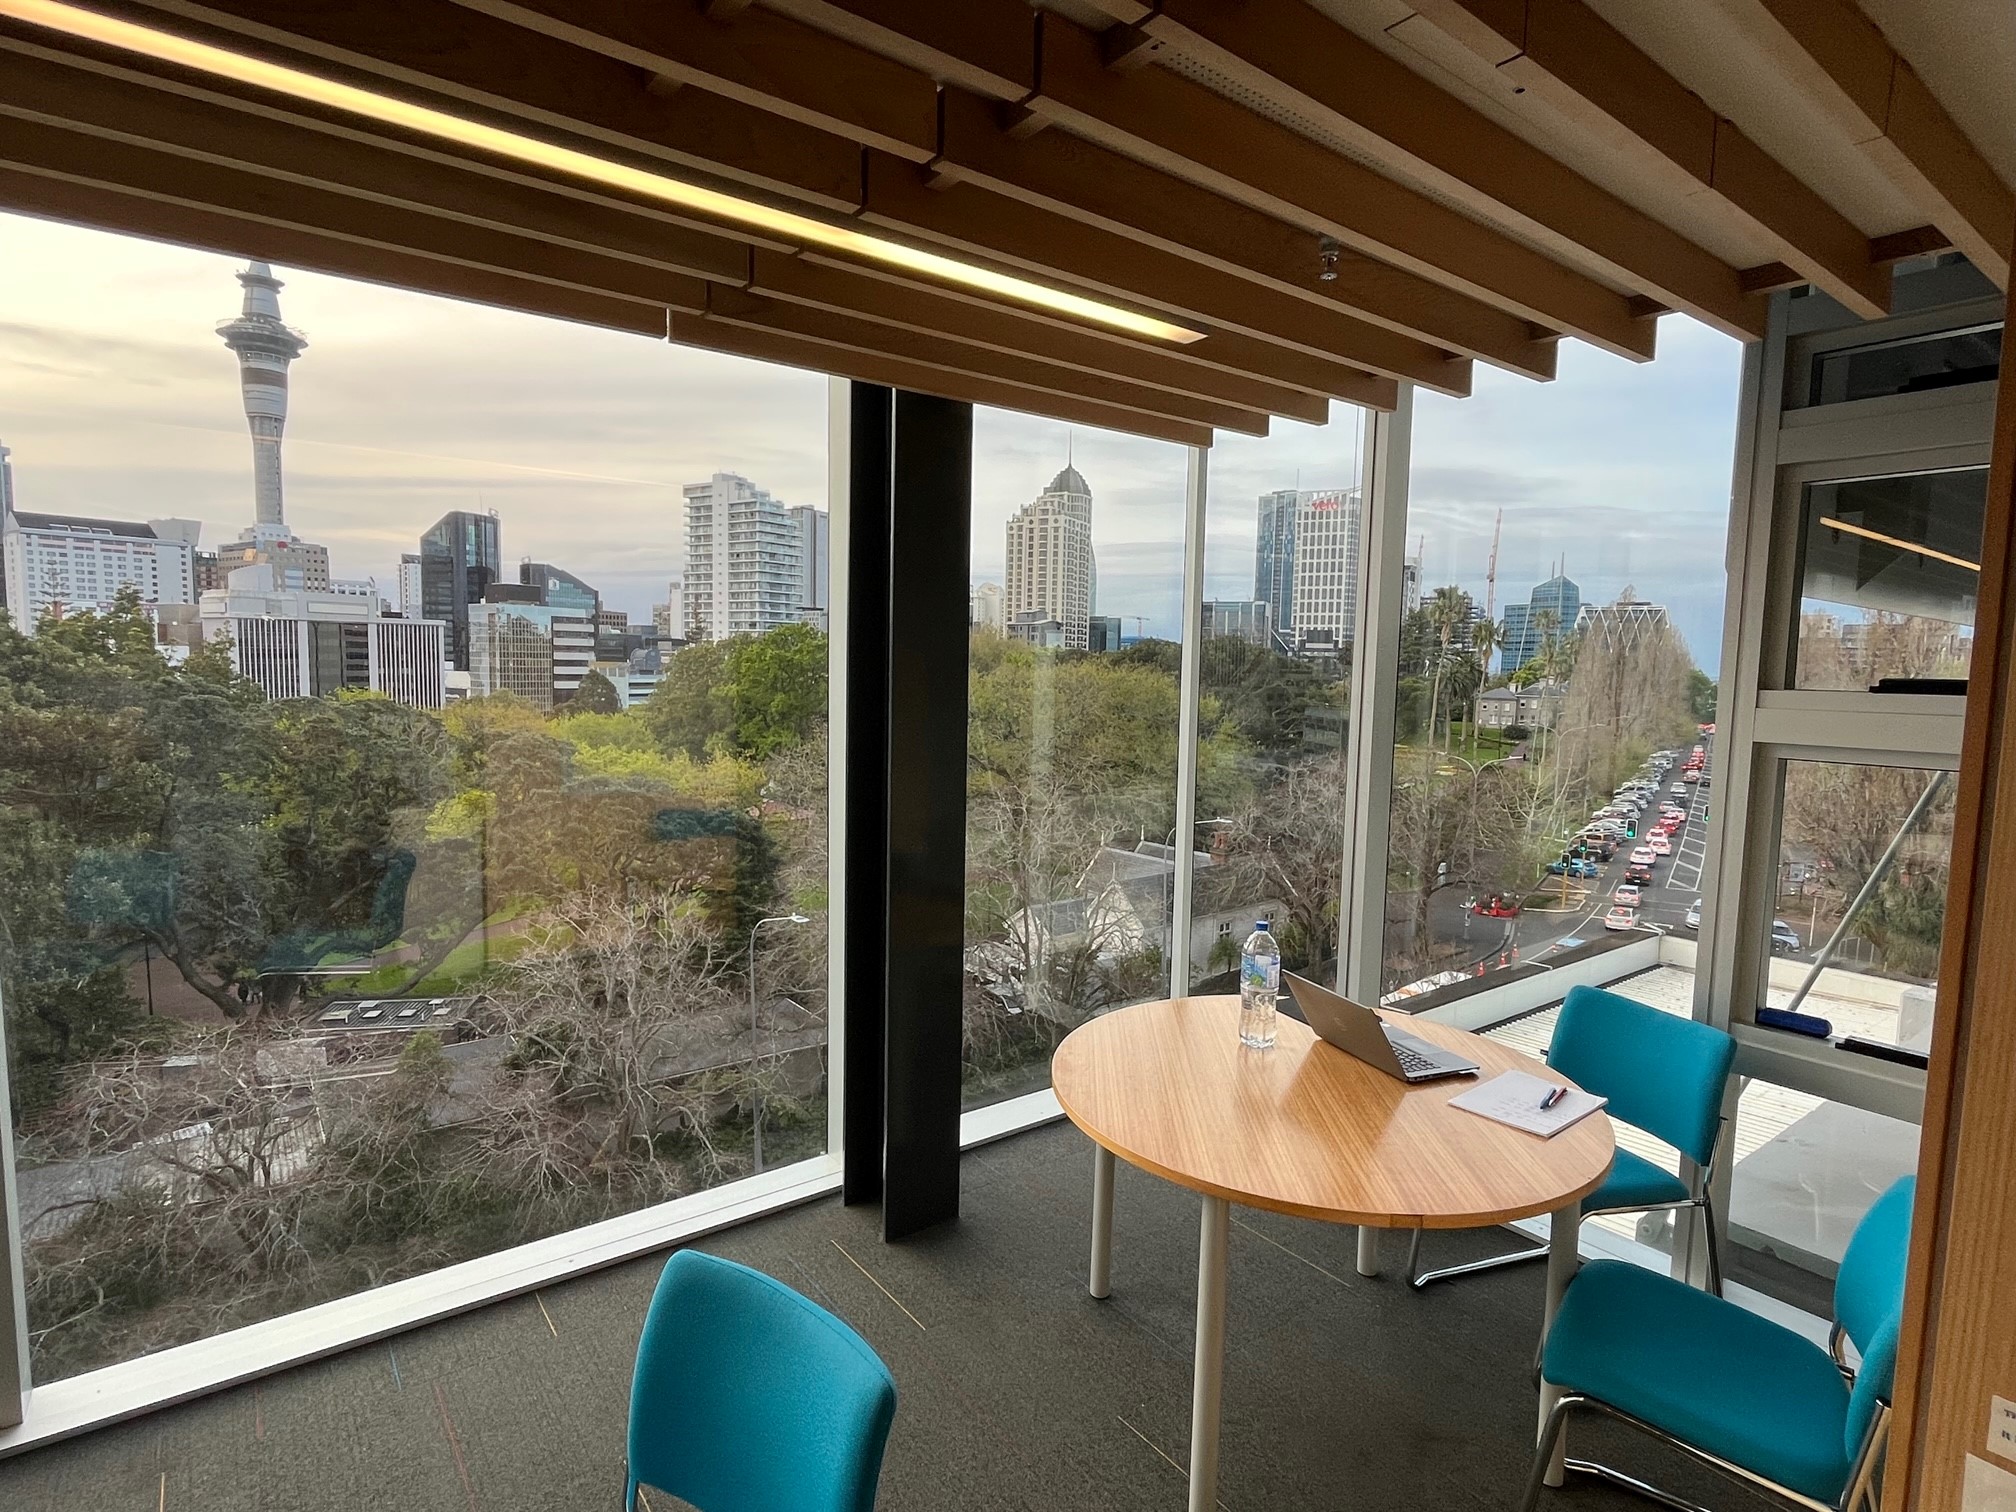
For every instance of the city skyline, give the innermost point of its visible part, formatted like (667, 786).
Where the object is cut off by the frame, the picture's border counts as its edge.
(117, 400)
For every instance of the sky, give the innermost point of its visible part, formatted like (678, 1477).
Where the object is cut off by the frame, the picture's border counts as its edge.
(118, 399)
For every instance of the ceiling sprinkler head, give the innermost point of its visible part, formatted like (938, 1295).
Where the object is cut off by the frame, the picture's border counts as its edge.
(1327, 253)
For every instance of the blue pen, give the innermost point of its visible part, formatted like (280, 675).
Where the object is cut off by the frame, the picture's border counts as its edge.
(1554, 1095)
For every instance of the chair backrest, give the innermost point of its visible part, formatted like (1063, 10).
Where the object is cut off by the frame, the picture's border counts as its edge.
(1872, 1386)
(1869, 1287)
(1661, 1072)
(750, 1398)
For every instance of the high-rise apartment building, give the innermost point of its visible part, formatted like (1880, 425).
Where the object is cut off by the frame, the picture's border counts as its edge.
(1051, 566)
(744, 568)
(1324, 603)
(984, 608)
(55, 566)
(670, 617)
(296, 644)
(409, 585)
(1274, 560)
(815, 552)
(460, 559)
(536, 651)
(1551, 610)
(265, 347)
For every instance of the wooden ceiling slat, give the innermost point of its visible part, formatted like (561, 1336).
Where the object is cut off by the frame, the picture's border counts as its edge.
(1563, 51)
(478, 60)
(833, 328)
(984, 48)
(1175, 123)
(763, 59)
(999, 328)
(793, 351)
(234, 236)
(986, 225)
(1843, 61)
(1290, 53)
(1071, 176)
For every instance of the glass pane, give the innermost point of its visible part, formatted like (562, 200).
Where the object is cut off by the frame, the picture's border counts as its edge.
(1071, 741)
(1548, 705)
(1864, 858)
(1911, 365)
(1806, 1171)
(1281, 599)
(1888, 571)
(379, 894)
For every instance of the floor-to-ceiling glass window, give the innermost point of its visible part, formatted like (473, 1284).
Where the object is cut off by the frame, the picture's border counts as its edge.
(412, 781)
(1077, 592)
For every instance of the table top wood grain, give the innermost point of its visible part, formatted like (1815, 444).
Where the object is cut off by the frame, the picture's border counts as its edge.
(1305, 1129)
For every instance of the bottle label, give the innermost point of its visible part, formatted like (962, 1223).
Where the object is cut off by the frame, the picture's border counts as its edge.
(1258, 973)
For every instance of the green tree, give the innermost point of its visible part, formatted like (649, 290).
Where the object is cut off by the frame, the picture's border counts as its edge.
(596, 695)
(749, 695)
(1702, 693)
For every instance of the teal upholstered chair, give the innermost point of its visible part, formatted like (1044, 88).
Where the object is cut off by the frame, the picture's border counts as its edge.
(1663, 1074)
(750, 1398)
(1730, 1388)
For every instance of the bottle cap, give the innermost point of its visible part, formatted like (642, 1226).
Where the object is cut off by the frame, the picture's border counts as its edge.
(1260, 926)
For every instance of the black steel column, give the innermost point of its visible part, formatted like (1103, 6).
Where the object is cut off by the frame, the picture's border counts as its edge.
(867, 792)
(931, 508)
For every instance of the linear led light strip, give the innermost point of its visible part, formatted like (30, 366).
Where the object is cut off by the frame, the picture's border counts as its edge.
(1889, 540)
(188, 53)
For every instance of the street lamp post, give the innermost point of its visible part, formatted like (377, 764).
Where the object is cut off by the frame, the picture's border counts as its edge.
(754, 930)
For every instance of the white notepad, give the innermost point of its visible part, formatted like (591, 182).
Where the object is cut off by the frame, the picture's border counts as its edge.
(1513, 1097)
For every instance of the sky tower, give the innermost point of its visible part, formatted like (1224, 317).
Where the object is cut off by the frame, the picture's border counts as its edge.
(264, 346)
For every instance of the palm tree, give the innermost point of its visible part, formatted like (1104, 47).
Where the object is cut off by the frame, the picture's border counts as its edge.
(1448, 608)
(1484, 636)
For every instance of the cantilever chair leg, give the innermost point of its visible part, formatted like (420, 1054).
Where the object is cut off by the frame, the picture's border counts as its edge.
(1417, 1279)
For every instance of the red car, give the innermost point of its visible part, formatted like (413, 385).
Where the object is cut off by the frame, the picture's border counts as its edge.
(1495, 907)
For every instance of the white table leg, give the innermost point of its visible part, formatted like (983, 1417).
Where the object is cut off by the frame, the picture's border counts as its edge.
(1208, 1384)
(1368, 1250)
(1102, 1221)
(1564, 1230)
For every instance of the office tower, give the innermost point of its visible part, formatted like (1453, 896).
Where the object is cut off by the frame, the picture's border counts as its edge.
(409, 584)
(536, 651)
(560, 588)
(1324, 603)
(264, 347)
(296, 564)
(460, 559)
(56, 566)
(1551, 609)
(1624, 624)
(815, 550)
(1410, 585)
(1274, 560)
(298, 644)
(670, 616)
(985, 608)
(1102, 632)
(1050, 565)
(743, 560)
(1239, 619)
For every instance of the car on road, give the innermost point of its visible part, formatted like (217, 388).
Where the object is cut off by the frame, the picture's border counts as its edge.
(1644, 855)
(1659, 845)
(1621, 918)
(1690, 776)
(1694, 914)
(1572, 866)
(1626, 896)
(1679, 790)
(1497, 906)
(1637, 873)
(1784, 938)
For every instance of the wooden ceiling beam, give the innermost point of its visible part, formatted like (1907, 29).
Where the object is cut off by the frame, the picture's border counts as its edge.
(471, 59)
(1071, 176)
(1567, 54)
(228, 235)
(1003, 328)
(1289, 53)
(794, 351)
(1174, 123)
(763, 59)
(983, 224)
(984, 48)
(829, 327)
(1843, 61)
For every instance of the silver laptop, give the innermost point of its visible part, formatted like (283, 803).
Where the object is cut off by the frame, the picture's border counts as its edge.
(1362, 1034)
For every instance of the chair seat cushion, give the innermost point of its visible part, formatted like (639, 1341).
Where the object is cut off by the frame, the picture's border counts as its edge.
(1635, 1182)
(1705, 1371)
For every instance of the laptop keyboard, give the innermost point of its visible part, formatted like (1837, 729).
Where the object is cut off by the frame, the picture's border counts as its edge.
(1413, 1062)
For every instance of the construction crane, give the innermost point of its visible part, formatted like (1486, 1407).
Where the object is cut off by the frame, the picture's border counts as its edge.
(1140, 626)
(1491, 570)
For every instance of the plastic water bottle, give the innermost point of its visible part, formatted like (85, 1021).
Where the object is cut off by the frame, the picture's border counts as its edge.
(1259, 984)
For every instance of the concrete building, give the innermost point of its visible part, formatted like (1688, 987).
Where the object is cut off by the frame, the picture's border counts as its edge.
(460, 559)
(1239, 619)
(265, 348)
(1326, 556)
(298, 644)
(1051, 568)
(1536, 707)
(535, 651)
(814, 528)
(1552, 608)
(409, 585)
(985, 609)
(744, 573)
(670, 616)
(296, 564)
(55, 566)
(1035, 628)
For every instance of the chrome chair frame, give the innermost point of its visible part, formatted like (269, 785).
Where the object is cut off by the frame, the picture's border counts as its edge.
(1701, 1200)
(1861, 1492)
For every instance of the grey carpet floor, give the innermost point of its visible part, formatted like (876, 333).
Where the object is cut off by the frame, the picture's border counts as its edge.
(1017, 1389)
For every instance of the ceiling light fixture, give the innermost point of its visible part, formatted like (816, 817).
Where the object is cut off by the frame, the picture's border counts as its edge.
(1889, 540)
(186, 52)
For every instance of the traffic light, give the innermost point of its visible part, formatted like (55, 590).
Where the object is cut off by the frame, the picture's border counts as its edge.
(1630, 829)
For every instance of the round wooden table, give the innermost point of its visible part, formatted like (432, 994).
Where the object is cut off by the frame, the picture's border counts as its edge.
(1305, 1129)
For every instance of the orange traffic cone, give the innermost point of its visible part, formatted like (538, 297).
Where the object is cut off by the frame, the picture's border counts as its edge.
(1501, 958)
